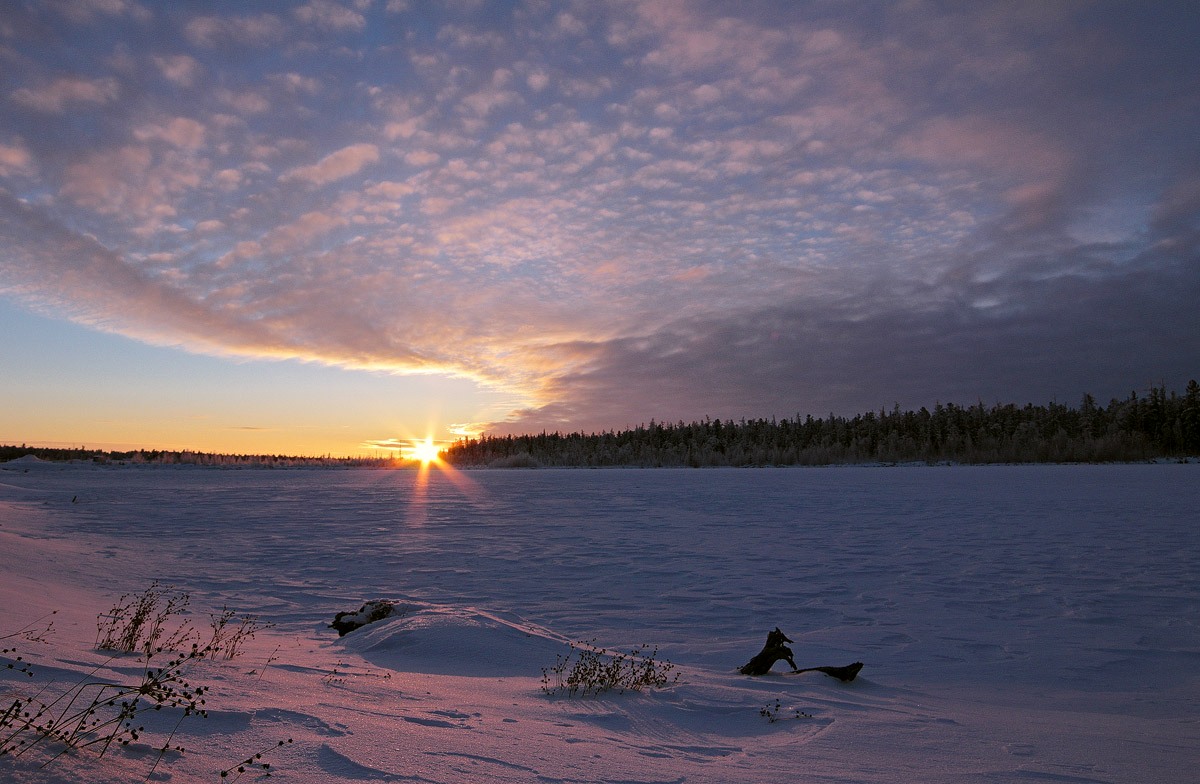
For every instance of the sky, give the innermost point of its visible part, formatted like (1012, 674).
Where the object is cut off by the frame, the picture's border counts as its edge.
(330, 227)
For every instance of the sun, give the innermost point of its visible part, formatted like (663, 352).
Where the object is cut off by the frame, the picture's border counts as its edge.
(425, 451)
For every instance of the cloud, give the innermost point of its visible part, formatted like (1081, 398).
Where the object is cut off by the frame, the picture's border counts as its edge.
(387, 443)
(993, 143)
(391, 190)
(693, 42)
(15, 159)
(180, 132)
(215, 31)
(615, 212)
(568, 24)
(421, 158)
(1051, 341)
(86, 11)
(245, 102)
(132, 183)
(303, 230)
(228, 179)
(337, 165)
(464, 38)
(62, 269)
(65, 273)
(298, 83)
(181, 70)
(109, 182)
(58, 95)
(484, 102)
(330, 16)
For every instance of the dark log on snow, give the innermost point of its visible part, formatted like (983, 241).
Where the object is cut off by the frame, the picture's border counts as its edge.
(772, 652)
(847, 673)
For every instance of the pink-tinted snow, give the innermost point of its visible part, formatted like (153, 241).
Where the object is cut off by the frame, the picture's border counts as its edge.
(1017, 623)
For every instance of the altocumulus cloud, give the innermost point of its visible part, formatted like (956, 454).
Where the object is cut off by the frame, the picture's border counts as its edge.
(619, 211)
(337, 165)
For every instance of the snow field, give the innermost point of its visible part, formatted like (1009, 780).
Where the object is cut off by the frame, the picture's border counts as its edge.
(1017, 623)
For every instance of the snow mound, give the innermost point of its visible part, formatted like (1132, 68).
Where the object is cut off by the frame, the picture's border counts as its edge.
(465, 641)
(14, 492)
(25, 461)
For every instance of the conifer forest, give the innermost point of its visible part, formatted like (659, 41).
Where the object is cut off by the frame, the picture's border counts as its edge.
(1156, 425)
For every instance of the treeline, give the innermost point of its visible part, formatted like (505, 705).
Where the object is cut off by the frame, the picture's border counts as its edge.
(187, 457)
(1153, 426)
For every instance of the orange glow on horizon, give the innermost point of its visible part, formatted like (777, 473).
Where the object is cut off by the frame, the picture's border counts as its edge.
(425, 451)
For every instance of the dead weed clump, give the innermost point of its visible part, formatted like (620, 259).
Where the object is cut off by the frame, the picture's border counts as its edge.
(98, 714)
(589, 670)
(151, 622)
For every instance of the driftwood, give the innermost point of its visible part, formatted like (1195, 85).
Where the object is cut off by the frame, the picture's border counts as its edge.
(775, 650)
(372, 611)
(847, 673)
(772, 652)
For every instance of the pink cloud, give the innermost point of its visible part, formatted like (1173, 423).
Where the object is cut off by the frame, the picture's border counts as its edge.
(568, 24)
(391, 190)
(404, 128)
(689, 41)
(228, 179)
(1029, 170)
(108, 182)
(56, 96)
(337, 165)
(132, 184)
(436, 205)
(421, 158)
(484, 102)
(84, 11)
(706, 94)
(76, 276)
(303, 230)
(180, 70)
(993, 143)
(297, 83)
(330, 16)
(210, 31)
(243, 102)
(181, 132)
(823, 42)
(16, 159)
(464, 38)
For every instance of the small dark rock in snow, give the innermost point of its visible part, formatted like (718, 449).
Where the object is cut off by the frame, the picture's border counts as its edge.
(376, 610)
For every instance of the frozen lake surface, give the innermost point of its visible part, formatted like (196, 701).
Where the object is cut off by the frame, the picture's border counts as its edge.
(1017, 623)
